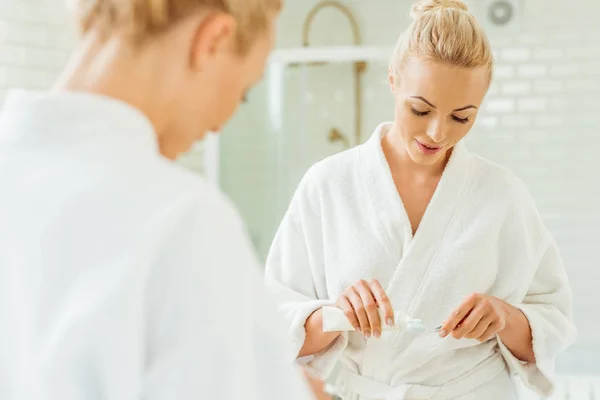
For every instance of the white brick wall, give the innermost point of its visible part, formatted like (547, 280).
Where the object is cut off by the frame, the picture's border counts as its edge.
(553, 143)
(35, 42)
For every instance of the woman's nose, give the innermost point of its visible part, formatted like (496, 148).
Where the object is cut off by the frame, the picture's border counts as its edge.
(437, 130)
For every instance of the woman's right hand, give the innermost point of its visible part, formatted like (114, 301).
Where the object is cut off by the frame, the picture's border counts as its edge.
(360, 303)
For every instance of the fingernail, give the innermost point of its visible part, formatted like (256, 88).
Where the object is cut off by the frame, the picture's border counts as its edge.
(367, 334)
(358, 329)
(443, 333)
(377, 334)
(390, 322)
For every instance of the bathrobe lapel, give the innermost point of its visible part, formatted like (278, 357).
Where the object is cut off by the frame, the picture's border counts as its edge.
(416, 254)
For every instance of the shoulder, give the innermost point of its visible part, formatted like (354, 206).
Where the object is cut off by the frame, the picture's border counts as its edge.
(324, 180)
(161, 183)
(342, 171)
(508, 196)
(331, 171)
(171, 210)
(204, 204)
(501, 182)
(203, 235)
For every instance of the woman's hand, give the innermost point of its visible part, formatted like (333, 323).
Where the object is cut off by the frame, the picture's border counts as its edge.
(360, 303)
(479, 317)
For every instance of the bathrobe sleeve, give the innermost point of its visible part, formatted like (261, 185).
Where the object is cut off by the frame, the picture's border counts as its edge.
(296, 275)
(545, 298)
(212, 330)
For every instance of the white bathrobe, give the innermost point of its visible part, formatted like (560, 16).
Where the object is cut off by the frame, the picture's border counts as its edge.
(123, 276)
(480, 233)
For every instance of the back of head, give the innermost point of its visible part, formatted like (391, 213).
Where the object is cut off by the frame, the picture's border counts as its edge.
(142, 19)
(443, 31)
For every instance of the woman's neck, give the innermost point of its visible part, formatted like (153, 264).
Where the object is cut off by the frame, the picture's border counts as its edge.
(111, 69)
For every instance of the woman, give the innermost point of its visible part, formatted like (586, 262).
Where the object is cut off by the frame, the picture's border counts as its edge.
(113, 259)
(411, 221)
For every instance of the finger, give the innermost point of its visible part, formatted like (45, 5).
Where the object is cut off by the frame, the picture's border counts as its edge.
(364, 290)
(346, 307)
(359, 310)
(469, 323)
(457, 316)
(489, 333)
(383, 302)
(481, 327)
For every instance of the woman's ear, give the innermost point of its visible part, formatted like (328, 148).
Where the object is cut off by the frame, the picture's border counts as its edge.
(215, 34)
(391, 80)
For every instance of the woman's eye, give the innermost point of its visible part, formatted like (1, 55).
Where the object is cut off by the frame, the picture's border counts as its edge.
(419, 113)
(460, 120)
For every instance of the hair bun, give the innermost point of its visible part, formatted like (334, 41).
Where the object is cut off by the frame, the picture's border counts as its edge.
(422, 7)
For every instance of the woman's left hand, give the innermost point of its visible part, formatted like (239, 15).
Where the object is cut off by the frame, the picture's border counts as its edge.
(479, 317)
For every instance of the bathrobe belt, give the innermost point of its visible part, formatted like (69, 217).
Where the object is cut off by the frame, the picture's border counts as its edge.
(373, 390)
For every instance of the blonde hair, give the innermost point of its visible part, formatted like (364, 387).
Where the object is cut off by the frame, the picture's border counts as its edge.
(443, 31)
(142, 19)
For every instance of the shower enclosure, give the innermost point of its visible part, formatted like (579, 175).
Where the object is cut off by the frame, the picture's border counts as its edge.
(314, 101)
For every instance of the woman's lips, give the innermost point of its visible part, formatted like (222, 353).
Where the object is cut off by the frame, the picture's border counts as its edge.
(428, 149)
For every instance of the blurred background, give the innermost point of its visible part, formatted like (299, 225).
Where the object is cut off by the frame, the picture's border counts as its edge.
(326, 90)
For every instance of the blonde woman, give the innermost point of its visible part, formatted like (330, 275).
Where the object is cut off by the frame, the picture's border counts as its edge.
(413, 225)
(121, 275)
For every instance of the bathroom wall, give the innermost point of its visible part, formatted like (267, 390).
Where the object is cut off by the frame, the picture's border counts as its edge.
(541, 120)
(35, 41)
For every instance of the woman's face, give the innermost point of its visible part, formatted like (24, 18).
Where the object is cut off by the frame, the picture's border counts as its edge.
(216, 78)
(436, 106)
